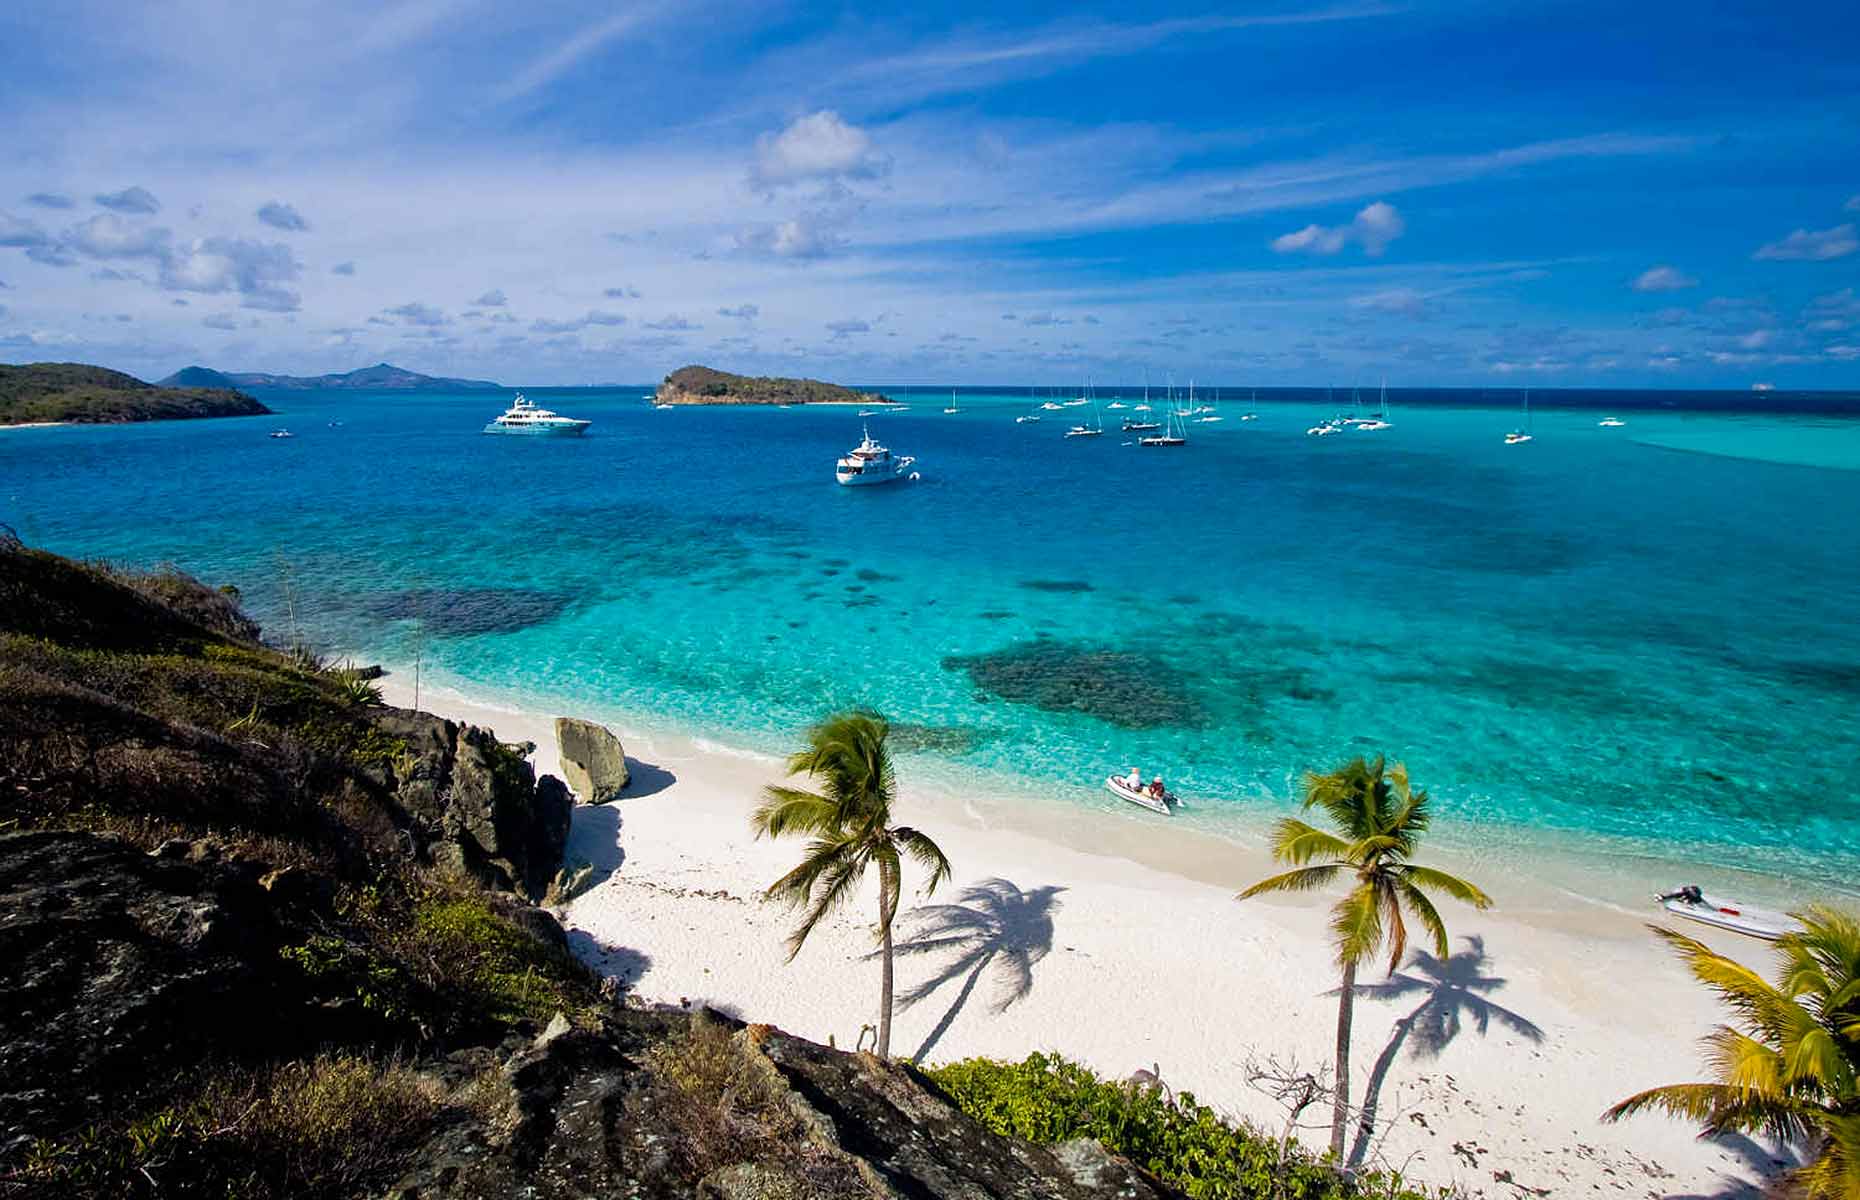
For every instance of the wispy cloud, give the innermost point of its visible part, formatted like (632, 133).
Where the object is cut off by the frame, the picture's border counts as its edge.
(546, 69)
(129, 200)
(282, 216)
(1811, 245)
(1373, 229)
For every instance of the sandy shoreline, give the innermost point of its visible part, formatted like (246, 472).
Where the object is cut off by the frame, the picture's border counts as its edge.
(1495, 1062)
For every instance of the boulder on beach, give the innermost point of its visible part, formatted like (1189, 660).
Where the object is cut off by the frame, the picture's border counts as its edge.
(592, 759)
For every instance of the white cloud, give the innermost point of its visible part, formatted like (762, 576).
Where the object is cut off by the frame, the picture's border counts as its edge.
(20, 232)
(258, 271)
(282, 216)
(621, 293)
(129, 200)
(1663, 279)
(818, 147)
(546, 69)
(107, 235)
(1373, 229)
(51, 200)
(494, 298)
(846, 328)
(219, 321)
(673, 323)
(742, 312)
(1818, 245)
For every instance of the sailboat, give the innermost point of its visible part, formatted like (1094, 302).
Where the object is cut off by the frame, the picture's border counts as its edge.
(952, 402)
(1175, 434)
(1084, 397)
(1252, 409)
(1381, 419)
(1029, 418)
(1145, 406)
(1095, 429)
(1520, 436)
(1211, 411)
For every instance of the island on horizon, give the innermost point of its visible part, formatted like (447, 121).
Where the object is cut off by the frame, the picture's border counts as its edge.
(707, 385)
(382, 377)
(80, 394)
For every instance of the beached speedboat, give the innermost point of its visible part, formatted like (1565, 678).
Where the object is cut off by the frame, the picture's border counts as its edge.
(1697, 905)
(523, 417)
(1120, 787)
(870, 463)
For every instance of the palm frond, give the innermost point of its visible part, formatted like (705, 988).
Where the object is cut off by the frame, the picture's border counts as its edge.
(1747, 993)
(1294, 841)
(1304, 879)
(787, 810)
(925, 853)
(1440, 881)
(1425, 912)
(1357, 923)
(821, 856)
(836, 887)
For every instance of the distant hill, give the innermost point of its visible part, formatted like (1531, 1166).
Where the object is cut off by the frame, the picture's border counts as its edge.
(86, 395)
(382, 377)
(706, 385)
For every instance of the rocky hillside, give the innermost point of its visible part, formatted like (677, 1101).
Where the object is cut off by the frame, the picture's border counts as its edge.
(704, 385)
(86, 395)
(267, 937)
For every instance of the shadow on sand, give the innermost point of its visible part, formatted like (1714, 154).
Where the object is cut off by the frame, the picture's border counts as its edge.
(622, 962)
(1764, 1162)
(1452, 992)
(594, 838)
(645, 779)
(992, 925)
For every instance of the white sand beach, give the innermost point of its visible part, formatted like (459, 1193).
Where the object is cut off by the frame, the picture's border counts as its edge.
(1489, 1070)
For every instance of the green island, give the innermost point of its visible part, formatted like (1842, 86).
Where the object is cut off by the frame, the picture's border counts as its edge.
(77, 394)
(382, 377)
(707, 385)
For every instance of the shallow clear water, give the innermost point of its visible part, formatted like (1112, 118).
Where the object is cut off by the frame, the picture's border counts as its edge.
(1643, 637)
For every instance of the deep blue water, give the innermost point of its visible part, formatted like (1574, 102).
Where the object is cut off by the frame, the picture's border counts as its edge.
(1644, 637)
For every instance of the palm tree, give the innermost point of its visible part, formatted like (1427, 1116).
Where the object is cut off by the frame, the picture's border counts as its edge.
(850, 821)
(1788, 1066)
(1379, 819)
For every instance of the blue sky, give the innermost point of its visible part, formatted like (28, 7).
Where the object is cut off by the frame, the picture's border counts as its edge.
(1554, 194)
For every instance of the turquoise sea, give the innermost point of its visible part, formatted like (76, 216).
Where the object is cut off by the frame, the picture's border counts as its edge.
(1640, 640)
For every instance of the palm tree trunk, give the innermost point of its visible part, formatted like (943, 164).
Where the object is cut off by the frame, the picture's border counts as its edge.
(1340, 1111)
(887, 907)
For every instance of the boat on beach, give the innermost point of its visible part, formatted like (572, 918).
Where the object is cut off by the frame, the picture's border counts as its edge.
(523, 417)
(1694, 904)
(1142, 797)
(869, 463)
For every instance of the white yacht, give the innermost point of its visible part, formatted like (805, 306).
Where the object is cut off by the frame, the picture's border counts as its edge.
(953, 408)
(1175, 432)
(1611, 422)
(869, 463)
(1518, 437)
(1379, 419)
(526, 418)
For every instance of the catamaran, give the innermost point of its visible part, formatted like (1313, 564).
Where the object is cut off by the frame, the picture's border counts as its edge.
(870, 463)
(523, 417)
(1519, 436)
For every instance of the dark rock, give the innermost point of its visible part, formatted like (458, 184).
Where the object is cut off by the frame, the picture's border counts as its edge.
(469, 611)
(474, 807)
(122, 968)
(1124, 687)
(300, 888)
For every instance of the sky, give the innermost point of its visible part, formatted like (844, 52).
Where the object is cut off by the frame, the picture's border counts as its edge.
(1442, 194)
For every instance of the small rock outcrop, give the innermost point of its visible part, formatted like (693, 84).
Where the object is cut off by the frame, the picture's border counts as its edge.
(478, 810)
(592, 758)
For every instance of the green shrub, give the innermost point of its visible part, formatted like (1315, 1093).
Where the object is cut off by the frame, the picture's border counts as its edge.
(1047, 1099)
(493, 968)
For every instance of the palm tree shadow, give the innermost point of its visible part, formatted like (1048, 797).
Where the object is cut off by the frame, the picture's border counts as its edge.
(1452, 992)
(993, 924)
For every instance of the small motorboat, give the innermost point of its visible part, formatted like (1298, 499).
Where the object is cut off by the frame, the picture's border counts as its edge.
(1695, 904)
(282, 433)
(1517, 437)
(1142, 797)
(1611, 422)
(1028, 419)
(1117, 404)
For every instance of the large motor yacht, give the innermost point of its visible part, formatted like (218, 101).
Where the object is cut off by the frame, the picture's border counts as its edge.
(526, 418)
(869, 463)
